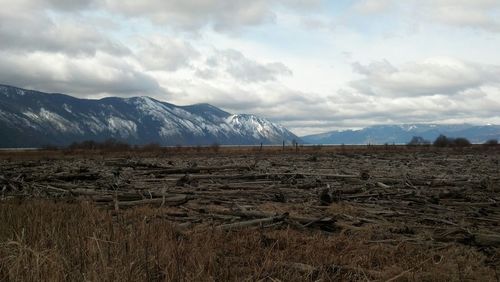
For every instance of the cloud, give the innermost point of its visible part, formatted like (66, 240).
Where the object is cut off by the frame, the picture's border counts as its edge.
(37, 5)
(434, 76)
(29, 32)
(372, 6)
(166, 53)
(101, 74)
(193, 14)
(243, 69)
(68, 5)
(189, 15)
(288, 60)
(478, 105)
(66, 53)
(221, 15)
(479, 15)
(186, 15)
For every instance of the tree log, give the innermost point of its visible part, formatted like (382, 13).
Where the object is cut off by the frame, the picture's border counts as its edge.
(172, 201)
(254, 222)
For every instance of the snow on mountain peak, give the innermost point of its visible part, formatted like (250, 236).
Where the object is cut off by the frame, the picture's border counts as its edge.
(51, 119)
(59, 120)
(3, 90)
(256, 126)
(123, 127)
(408, 127)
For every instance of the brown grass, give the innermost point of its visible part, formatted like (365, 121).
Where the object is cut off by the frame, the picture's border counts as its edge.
(156, 151)
(56, 241)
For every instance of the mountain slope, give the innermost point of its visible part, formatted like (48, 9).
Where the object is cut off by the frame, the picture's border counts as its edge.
(401, 134)
(31, 119)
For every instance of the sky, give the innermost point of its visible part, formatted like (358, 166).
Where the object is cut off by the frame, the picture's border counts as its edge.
(310, 65)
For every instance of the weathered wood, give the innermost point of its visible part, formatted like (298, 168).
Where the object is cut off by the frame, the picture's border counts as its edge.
(327, 222)
(402, 195)
(173, 201)
(259, 222)
(199, 169)
(74, 176)
(486, 240)
(382, 185)
(349, 191)
(369, 195)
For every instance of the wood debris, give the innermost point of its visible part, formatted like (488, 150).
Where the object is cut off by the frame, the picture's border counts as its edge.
(429, 197)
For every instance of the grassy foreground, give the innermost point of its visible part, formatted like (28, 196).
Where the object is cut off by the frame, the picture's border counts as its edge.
(57, 241)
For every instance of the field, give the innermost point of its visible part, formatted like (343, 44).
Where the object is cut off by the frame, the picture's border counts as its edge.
(378, 213)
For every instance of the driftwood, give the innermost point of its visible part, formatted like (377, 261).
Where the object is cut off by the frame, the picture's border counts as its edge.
(199, 169)
(73, 176)
(403, 195)
(349, 191)
(466, 237)
(173, 201)
(255, 222)
(261, 176)
(370, 195)
(326, 224)
(486, 240)
(382, 185)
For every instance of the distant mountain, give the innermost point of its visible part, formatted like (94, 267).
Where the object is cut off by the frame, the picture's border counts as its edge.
(402, 134)
(32, 119)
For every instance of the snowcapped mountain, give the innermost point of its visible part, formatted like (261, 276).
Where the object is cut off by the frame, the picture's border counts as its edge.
(31, 119)
(402, 134)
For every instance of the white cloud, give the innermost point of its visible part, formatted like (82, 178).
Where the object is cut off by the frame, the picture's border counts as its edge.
(373, 6)
(81, 76)
(434, 76)
(166, 53)
(193, 14)
(36, 31)
(477, 14)
(37, 5)
(241, 68)
(289, 60)
(187, 15)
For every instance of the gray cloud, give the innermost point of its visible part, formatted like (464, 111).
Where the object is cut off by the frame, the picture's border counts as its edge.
(475, 105)
(190, 15)
(65, 53)
(29, 32)
(60, 43)
(433, 76)
(479, 14)
(56, 46)
(37, 5)
(68, 5)
(164, 53)
(221, 15)
(193, 14)
(102, 74)
(241, 68)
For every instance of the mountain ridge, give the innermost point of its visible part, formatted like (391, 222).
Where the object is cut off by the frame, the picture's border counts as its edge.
(30, 118)
(402, 133)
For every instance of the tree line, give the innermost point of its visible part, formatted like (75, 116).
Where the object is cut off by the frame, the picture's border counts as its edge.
(444, 141)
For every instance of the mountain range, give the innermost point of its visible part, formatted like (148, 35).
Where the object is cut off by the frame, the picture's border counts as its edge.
(32, 119)
(402, 134)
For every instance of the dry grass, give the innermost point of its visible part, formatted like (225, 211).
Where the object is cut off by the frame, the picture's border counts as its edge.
(156, 151)
(58, 241)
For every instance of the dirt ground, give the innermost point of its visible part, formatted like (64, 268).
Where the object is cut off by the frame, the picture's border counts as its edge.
(430, 201)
